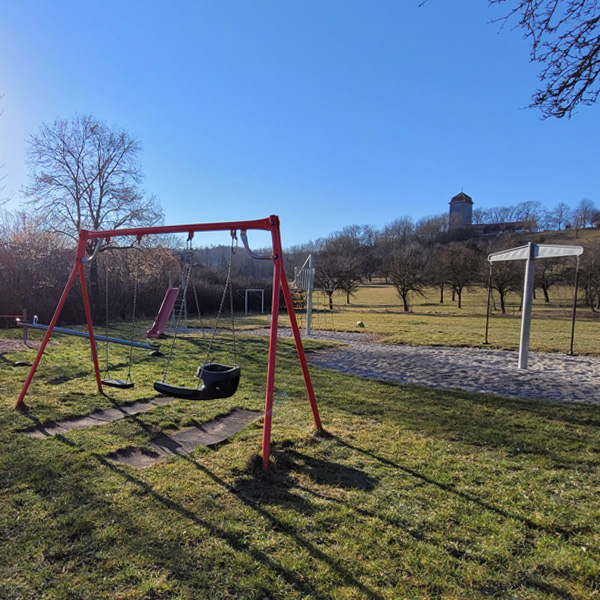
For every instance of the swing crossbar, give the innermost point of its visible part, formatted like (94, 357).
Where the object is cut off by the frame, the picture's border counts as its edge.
(260, 224)
(83, 334)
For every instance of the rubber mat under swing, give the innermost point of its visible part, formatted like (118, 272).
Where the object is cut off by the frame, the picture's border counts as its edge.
(184, 441)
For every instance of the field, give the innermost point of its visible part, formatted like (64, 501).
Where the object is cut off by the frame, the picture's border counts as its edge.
(410, 492)
(431, 322)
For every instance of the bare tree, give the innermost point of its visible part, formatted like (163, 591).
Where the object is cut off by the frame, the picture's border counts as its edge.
(34, 265)
(583, 214)
(85, 175)
(370, 257)
(436, 275)
(480, 216)
(530, 212)
(396, 235)
(565, 41)
(340, 263)
(325, 283)
(459, 266)
(408, 271)
(496, 214)
(548, 272)
(590, 275)
(559, 215)
(506, 276)
(431, 229)
(400, 229)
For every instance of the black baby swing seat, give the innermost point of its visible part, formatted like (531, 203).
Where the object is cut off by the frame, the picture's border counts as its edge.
(220, 381)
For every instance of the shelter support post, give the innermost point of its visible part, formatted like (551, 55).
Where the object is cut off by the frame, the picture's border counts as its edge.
(574, 315)
(487, 312)
(527, 304)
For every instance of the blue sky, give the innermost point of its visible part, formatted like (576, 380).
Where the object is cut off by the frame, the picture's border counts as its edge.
(328, 113)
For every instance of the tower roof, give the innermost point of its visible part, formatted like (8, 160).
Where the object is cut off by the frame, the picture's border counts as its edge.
(462, 197)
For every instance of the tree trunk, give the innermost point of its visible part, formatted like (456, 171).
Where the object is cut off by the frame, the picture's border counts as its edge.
(442, 293)
(405, 302)
(459, 295)
(502, 305)
(546, 297)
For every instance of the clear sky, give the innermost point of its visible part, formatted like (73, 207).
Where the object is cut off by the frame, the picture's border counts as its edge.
(325, 112)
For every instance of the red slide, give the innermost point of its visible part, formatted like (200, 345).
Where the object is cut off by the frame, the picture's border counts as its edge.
(164, 312)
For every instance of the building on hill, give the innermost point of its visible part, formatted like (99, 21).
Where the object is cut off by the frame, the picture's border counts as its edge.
(460, 221)
(461, 211)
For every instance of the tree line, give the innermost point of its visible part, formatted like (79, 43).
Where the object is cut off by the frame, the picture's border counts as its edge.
(415, 257)
(35, 262)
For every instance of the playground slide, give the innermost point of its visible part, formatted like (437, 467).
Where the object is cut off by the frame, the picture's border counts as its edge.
(164, 312)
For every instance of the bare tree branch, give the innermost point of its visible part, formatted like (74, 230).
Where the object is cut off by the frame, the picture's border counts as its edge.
(85, 175)
(565, 41)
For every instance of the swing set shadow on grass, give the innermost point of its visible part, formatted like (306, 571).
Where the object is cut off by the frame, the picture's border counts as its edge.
(219, 381)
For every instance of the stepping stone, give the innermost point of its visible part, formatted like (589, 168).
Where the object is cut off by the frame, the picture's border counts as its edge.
(187, 440)
(98, 417)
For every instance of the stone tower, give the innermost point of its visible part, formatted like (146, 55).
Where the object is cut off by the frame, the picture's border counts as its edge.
(461, 211)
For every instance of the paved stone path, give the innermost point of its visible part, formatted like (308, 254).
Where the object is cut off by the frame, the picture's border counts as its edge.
(549, 376)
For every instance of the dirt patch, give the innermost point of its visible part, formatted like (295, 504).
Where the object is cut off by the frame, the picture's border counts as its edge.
(16, 345)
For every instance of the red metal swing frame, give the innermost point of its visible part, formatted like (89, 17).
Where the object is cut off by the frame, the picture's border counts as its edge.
(270, 224)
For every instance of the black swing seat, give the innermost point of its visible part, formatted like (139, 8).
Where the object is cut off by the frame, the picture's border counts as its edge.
(118, 383)
(220, 381)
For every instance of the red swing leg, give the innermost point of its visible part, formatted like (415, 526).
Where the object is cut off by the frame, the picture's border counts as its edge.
(279, 282)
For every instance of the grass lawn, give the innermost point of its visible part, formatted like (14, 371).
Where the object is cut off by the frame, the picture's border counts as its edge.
(411, 493)
(430, 322)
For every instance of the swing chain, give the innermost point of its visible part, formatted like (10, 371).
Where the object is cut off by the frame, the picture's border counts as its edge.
(106, 318)
(134, 308)
(234, 239)
(184, 284)
(133, 312)
(228, 287)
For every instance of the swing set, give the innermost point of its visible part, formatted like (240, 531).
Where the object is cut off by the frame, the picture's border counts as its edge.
(219, 381)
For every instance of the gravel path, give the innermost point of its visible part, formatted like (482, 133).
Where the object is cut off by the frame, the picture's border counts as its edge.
(549, 376)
